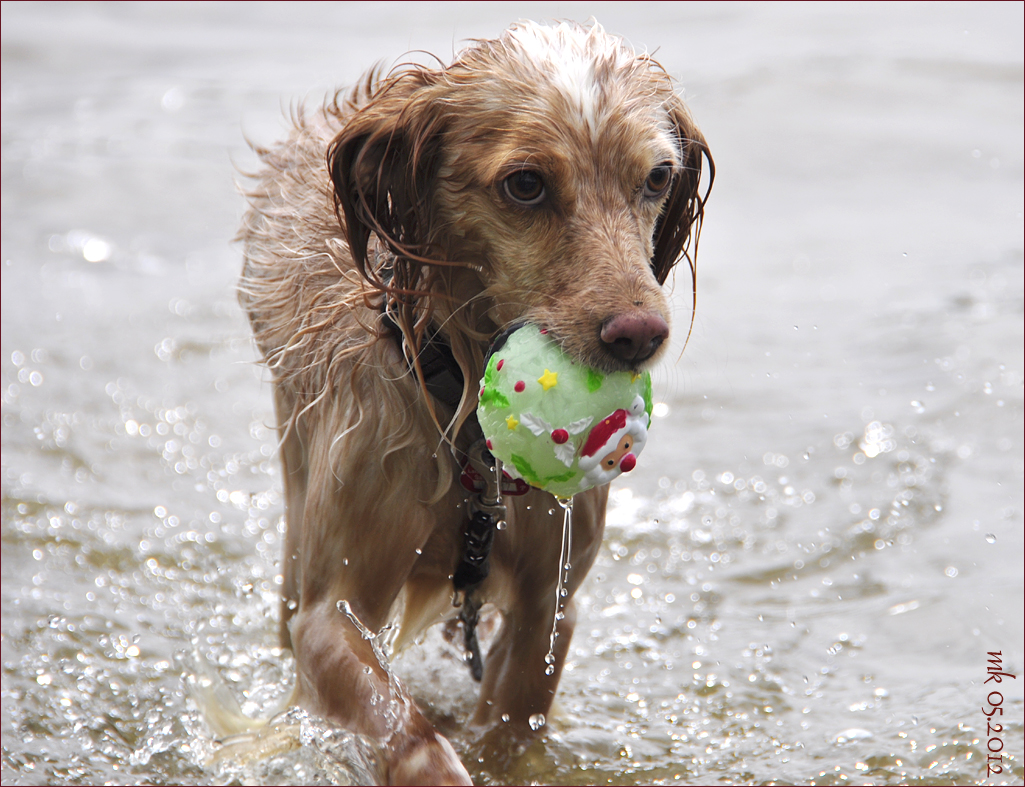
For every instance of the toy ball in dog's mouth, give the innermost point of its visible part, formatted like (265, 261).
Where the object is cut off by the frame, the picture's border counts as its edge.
(558, 425)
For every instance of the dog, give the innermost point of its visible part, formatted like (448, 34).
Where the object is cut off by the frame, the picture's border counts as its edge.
(551, 175)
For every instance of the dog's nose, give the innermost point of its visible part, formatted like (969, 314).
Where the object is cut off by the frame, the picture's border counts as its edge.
(634, 337)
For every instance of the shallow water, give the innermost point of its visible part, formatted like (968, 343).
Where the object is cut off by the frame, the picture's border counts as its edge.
(821, 543)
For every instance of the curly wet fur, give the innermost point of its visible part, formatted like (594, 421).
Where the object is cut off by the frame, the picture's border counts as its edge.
(393, 194)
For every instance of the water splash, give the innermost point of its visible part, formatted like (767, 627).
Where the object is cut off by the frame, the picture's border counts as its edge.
(378, 640)
(561, 592)
(536, 721)
(296, 746)
(381, 646)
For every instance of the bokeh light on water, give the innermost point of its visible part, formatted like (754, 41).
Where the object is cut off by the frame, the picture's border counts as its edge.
(800, 581)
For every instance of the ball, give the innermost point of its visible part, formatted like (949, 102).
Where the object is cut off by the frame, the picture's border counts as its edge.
(558, 425)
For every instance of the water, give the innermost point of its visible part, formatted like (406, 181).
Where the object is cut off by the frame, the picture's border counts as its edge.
(560, 587)
(821, 542)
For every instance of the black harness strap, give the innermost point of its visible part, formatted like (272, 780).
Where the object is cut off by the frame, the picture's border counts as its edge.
(442, 375)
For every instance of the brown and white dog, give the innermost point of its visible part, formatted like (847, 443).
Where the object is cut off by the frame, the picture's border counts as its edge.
(549, 175)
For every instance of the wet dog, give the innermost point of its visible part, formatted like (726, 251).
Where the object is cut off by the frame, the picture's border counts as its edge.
(549, 175)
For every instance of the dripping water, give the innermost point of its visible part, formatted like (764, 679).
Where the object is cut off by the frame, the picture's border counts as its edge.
(501, 523)
(560, 588)
(376, 640)
(379, 645)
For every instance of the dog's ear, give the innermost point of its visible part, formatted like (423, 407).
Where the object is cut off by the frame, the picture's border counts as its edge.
(383, 166)
(679, 225)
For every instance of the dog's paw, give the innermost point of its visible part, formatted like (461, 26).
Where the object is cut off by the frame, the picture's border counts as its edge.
(428, 760)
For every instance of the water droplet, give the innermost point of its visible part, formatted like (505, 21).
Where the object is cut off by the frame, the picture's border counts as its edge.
(549, 670)
(505, 717)
(96, 250)
(501, 524)
(991, 538)
(536, 721)
(560, 616)
(549, 658)
(852, 734)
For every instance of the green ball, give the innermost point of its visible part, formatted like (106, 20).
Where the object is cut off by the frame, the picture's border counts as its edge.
(560, 426)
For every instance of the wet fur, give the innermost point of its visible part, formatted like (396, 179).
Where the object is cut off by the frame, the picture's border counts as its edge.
(394, 192)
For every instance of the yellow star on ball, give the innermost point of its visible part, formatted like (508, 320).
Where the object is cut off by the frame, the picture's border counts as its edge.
(548, 379)
(511, 422)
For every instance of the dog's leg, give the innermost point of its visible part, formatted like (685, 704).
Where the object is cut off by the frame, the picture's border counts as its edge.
(515, 686)
(293, 461)
(339, 677)
(364, 525)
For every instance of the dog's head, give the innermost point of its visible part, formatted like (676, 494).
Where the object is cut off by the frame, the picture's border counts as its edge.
(550, 175)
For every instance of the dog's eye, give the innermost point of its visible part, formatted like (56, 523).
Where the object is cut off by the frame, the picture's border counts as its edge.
(525, 187)
(659, 180)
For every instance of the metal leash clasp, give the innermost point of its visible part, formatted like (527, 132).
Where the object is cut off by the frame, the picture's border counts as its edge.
(489, 500)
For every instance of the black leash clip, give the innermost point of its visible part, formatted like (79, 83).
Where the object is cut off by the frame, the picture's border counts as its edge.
(485, 514)
(484, 510)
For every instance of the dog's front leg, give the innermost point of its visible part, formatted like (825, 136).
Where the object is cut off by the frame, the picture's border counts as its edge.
(364, 527)
(340, 678)
(516, 686)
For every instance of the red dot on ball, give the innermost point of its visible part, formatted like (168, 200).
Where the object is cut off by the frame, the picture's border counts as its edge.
(560, 436)
(501, 363)
(489, 445)
(628, 463)
(520, 385)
